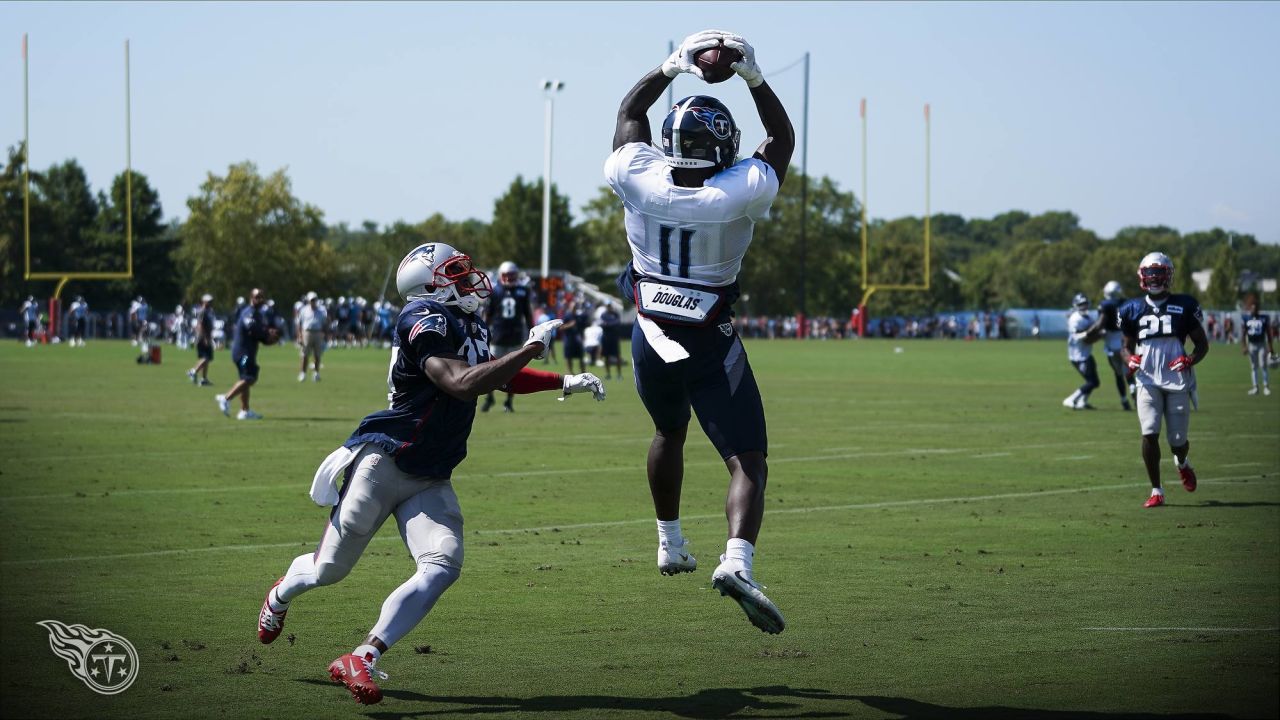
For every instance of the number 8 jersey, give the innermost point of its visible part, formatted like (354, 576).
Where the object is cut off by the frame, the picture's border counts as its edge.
(696, 235)
(1160, 328)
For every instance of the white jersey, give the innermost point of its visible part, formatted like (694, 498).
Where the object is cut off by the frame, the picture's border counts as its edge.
(312, 320)
(1078, 350)
(698, 235)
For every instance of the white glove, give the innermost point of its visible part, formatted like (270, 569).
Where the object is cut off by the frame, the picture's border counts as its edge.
(541, 333)
(586, 382)
(681, 61)
(746, 68)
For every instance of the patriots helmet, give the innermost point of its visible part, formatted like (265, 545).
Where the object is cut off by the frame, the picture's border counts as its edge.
(508, 273)
(1080, 302)
(440, 272)
(699, 132)
(1155, 273)
(1112, 290)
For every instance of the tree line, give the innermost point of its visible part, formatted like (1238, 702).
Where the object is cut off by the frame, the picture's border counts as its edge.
(247, 229)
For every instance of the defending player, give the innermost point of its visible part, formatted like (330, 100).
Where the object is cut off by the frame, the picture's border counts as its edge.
(1155, 329)
(1257, 344)
(1080, 353)
(509, 314)
(690, 209)
(398, 461)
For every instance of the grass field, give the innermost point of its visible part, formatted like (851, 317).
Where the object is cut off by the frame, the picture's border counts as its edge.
(944, 538)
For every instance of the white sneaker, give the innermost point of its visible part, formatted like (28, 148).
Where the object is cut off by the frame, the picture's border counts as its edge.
(732, 578)
(675, 559)
(191, 375)
(1253, 390)
(1266, 390)
(315, 378)
(248, 415)
(223, 405)
(302, 376)
(1069, 402)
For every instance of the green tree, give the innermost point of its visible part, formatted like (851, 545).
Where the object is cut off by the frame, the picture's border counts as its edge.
(12, 286)
(62, 244)
(245, 230)
(516, 231)
(1224, 284)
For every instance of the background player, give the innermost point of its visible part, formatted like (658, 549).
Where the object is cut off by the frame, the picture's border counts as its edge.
(690, 209)
(204, 341)
(1108, 324)
(1155, 329)
(30, 312)
(79, 313)
(1080, 353)
(399, 460)
(509, 315)
(251, 328)
(576, 320)
(311, 323)
(1257, 344)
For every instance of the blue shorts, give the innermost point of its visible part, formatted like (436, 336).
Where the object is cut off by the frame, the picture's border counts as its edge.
(248, 367)
(715, 381)
(573, 348)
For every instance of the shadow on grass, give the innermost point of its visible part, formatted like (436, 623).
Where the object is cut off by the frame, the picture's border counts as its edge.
(776, 701)
(1221, 504)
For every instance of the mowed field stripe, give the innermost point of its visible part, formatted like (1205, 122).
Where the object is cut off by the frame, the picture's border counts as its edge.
(302, 484)
(1183, 629)
(636, 521)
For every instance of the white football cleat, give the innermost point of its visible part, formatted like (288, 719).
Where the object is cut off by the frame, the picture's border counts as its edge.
(248, 415)
(1069, 402)
(302, 376)
(223, 405)
(734, 579)
(315, 378)
(1253, 390)
(675, 559)
(1266, 389)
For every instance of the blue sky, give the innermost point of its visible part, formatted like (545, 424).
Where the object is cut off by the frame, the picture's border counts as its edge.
(1124, 113)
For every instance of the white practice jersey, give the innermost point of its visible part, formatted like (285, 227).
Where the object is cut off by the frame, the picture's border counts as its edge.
(1078, 350)
(698, 235)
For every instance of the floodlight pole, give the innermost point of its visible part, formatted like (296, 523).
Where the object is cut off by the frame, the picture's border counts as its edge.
(128, 166)
(549, 88)
(671, 87)
(927, 276)
(26, 167)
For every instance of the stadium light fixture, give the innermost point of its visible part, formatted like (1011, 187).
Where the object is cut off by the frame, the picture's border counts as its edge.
(549, 89)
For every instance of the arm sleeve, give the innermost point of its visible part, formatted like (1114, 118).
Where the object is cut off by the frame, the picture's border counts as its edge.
(530, 381)
(630, 170)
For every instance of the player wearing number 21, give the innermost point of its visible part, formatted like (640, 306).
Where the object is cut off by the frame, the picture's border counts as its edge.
(689, 210)
(1156, 328)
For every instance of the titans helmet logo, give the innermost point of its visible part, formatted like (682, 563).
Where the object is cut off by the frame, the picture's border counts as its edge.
(717, 122)
(105, 662)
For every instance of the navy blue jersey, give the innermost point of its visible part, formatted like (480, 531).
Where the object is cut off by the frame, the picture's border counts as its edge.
(1257, 328)
(509, 314)
(609, 322)
(1160, 329)
(204, 322)
(251, 329)
(573, 333)
(425, 429)
(1109, 311)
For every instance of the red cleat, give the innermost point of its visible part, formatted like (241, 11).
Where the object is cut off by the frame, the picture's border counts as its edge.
(1188, 476)
(1154, 501)
(357, 674)
(270, 622)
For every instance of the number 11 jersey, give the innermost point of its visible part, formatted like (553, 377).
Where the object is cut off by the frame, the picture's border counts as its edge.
(1160, 329)
(697, 235)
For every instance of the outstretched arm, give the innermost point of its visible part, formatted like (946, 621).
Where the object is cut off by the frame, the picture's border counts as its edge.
(781, 141)
(633, 116)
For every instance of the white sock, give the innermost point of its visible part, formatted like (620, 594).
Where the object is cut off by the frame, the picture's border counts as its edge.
(300, 578)
(1157, 491)
(739, 550)
(669, 533)
(365, 651)
(1184, 463)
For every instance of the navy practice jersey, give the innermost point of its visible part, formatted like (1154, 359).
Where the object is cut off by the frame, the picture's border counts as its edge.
(425, 429)
(509, 314)
(1257, 329)
(1109, 311)
(251, 329)
(1160, 329)
(573, 333)
(204, 321)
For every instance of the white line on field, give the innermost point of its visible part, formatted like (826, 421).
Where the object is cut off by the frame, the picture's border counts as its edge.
(1240, 464)
(637, 521)
(1073, 457)
(1183, 629)
(990, 455)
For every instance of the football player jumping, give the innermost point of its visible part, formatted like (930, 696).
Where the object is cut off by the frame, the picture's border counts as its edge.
(690, 208)
(398, 461)
(1155, 329)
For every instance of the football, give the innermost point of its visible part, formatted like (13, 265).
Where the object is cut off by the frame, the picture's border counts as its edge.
(715, 61)
(273, 337)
